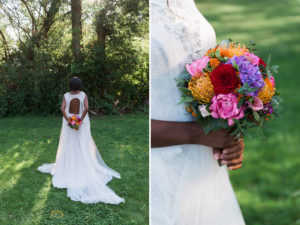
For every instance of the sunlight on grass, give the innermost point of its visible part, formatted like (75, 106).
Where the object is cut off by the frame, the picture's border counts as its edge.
(27, 196)
(40, 202)
(266, 184)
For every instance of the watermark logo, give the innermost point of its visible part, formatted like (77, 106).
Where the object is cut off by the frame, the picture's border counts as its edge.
(57, 213)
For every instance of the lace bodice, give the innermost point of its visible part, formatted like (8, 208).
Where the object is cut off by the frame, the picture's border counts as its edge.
(179, 34)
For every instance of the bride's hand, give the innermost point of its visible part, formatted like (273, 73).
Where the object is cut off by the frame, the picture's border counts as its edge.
(219, 139)
(231, 156)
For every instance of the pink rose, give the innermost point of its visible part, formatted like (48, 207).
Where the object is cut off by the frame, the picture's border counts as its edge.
(252, 58)
(225, 106)
(73, 122)
(196, 67)
(272, 79)
(256, 104)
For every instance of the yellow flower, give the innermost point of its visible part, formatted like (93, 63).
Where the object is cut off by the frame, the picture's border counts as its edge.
(201, 88)
(267, 92)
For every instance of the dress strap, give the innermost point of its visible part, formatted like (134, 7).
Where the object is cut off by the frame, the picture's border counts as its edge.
(66, 96)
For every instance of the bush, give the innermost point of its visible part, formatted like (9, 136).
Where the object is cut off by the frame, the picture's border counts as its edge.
(115, 83)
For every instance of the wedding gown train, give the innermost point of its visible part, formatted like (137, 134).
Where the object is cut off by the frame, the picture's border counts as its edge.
(79, 166)
(187, 185)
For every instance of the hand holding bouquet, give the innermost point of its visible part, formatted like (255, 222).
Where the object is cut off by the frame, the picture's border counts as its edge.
(230, 88)
(74, 122)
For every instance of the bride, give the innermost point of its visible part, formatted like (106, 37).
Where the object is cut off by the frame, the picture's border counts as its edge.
(79, 166)
(188, 187)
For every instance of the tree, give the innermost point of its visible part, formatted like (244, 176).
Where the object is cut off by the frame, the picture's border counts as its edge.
(41, 16)
(76, 28)
(5, 46)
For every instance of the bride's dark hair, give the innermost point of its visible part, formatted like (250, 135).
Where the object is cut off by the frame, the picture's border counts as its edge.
(75, 84)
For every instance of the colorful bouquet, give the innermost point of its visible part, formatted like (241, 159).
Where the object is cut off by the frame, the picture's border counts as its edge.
(74, 122)
(230, 88)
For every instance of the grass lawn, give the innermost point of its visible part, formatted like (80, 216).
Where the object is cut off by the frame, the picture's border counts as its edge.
(268, 185)
(27, 196)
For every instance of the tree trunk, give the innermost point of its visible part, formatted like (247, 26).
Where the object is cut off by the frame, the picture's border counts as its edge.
(76, 28)
(101, 35)
(102, 32)
(5, 46)
(37, 35)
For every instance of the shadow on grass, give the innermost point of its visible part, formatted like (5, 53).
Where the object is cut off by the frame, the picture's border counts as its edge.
(267, 186)
(19, 200)
(28, 197)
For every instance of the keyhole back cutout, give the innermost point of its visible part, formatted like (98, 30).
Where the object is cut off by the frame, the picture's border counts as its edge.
(74, 106)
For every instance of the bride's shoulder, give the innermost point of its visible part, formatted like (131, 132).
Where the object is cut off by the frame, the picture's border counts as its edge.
(83, 94)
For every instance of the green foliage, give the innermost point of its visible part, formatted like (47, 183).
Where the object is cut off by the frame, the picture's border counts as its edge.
(115, 76)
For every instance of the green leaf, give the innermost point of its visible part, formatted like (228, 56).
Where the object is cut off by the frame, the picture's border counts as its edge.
(268, 62)
(241, 102)
(246, 89)
(236, 66)
(184, 90)
(186, 99)
(274, 68)
(256, 116)
(211, 124)
(218, 53)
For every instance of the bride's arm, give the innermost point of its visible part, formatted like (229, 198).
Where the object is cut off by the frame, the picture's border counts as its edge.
(226, 148)
(63, 109)
(86, 107)
(166, 133)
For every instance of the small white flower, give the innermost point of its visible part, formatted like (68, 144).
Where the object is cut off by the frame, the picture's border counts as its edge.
(203, 110)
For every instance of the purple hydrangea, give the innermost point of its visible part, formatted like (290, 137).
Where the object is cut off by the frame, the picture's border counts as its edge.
(249, 74)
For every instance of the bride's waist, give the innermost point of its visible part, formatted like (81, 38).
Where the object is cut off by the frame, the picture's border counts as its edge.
(72, 114)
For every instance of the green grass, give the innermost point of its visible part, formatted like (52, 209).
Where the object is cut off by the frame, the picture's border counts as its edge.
(28, 197)
(268, 185)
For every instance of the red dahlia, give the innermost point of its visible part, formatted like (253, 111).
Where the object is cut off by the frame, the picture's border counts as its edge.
(224, 79)
(262, 62)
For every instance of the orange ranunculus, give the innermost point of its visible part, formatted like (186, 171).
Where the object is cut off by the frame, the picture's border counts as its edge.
(73, 117)
(210, 51)
(77, 124)
(232, 50)
(214, 62)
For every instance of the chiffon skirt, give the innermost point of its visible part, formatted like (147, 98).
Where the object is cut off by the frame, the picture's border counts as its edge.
(188, 187)
(80, 168)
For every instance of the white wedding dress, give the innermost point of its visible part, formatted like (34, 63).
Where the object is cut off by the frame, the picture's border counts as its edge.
(79, 166)
(187, 185)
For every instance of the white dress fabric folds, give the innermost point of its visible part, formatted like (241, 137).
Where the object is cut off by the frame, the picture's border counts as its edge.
(79, 167)
(187, 185)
